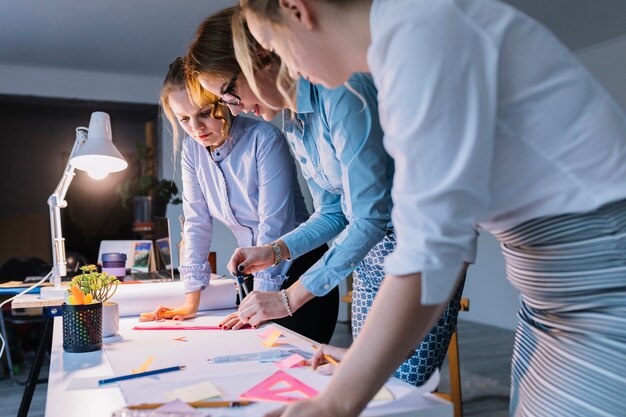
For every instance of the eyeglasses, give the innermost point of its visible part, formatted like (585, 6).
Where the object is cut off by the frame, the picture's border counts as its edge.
(228, 97)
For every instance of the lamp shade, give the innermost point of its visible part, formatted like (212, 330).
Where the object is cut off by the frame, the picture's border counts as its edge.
(98, 156)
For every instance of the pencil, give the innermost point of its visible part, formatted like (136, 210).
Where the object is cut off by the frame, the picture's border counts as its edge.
(328, 358)
(195, 404)
(140, 374)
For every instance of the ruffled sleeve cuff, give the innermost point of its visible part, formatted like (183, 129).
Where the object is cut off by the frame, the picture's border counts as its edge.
(195, 277)
(265, 281)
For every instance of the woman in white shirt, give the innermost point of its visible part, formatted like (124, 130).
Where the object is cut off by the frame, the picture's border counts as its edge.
(491, 123)
(240, 172)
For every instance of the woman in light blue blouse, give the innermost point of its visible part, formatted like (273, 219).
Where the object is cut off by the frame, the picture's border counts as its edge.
(336, 138)
(238, 171)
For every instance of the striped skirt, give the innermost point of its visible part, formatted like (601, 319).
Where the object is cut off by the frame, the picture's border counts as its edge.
(569, 357)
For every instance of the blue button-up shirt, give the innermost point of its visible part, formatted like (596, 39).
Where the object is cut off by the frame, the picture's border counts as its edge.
(337, 140)
(250, 185)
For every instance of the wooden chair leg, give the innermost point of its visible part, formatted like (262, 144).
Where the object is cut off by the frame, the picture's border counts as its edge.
(455, 375)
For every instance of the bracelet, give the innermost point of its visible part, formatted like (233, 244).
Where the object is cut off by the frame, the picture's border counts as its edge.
(283, 293)
(278, 255)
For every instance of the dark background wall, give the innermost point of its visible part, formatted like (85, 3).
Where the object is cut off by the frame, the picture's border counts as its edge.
(37, 135)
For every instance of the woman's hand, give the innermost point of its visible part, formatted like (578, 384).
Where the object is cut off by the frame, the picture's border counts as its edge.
(232, 322)
(182, 312)
(321, 364)
(260, 306)
(251, 259)
(187, 310)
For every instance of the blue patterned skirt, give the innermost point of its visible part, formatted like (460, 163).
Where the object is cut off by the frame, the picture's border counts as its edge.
(569, 357)
(429, 355)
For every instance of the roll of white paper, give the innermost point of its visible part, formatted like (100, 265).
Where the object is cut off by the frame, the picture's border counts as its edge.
(141, 298)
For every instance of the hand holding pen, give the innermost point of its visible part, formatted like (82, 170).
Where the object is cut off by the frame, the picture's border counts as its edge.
(251, 259)
(326, 358)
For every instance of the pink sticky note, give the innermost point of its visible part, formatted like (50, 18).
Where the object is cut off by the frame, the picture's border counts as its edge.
(290, 362)
(266, 332)
(271, 340)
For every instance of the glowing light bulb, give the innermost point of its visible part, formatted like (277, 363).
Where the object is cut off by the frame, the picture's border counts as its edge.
(97, 174)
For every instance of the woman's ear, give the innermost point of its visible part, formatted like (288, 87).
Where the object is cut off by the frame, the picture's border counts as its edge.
(265, 57)
(297, 10)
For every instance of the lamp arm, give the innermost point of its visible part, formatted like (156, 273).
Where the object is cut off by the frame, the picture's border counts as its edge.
(55, 203)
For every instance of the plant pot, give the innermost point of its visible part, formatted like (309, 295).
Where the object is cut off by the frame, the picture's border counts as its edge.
(82, 327)
(110, 319)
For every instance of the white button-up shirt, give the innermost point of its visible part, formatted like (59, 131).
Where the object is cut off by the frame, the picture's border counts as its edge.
(491, 121)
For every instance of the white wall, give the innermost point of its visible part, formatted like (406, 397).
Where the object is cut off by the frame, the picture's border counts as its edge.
(85, 85)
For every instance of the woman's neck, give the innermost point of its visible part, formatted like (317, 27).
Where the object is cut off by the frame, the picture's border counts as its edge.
(350, 32)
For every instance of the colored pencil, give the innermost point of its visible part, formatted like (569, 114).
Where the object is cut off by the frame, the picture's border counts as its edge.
(195, 404)
(328, 358)
(140, 374)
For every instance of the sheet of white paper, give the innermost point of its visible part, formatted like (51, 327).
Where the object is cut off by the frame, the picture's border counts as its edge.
(400, 389)
(194, 392)
(178, 406)
(140, 298)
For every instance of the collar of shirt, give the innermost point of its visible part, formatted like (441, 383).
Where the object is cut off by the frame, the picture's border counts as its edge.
(305, 95)
(224, 150)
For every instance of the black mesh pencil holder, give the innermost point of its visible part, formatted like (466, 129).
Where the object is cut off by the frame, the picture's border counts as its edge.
(82, 327)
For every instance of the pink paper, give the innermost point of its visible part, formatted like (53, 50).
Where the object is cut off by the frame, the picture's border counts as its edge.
(266, 332)
(290, 362)
(280, 387)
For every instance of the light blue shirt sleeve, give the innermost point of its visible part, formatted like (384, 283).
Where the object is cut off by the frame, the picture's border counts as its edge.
(195, 270)
(352, 121)
(325, 223)
(276, 202)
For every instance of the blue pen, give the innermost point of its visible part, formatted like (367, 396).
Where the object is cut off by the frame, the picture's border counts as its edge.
(140, 374)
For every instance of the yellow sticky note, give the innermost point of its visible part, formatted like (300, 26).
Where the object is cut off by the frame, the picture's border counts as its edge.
(383, 395)
(196, 392)
(144, 367)
(271, 340)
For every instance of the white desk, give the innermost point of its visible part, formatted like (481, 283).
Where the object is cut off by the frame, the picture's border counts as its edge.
(73, 390)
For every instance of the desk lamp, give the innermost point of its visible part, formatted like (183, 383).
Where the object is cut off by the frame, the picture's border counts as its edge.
(95, 153)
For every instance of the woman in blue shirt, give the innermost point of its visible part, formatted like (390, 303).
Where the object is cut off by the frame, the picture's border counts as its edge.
(336, 137)
(238, 171)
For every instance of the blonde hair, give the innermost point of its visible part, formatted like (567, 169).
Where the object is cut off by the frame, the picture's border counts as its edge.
(245, 44)
(176, 80)
(252, 58)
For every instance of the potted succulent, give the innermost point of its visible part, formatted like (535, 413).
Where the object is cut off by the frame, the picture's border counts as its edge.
(91, 286)
(150, 196)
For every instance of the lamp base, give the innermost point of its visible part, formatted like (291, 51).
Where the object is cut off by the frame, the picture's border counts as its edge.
(50, 293)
